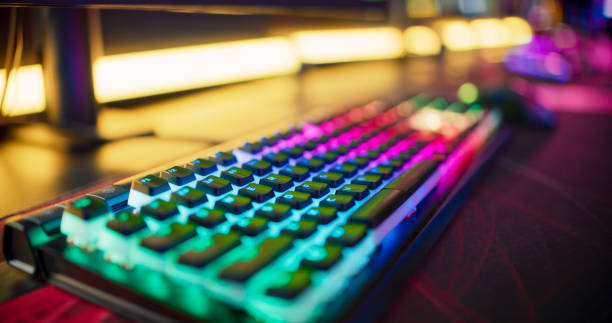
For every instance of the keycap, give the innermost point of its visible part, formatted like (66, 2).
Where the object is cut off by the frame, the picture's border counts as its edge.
(87, 207)
(151, 185)
(116, 196)
(201, 256)
(349, 234)
(330, 178)
(274, 212)
(252, 147)
(378, 208)
(234, 204)
(294, 152)
(371, 154)
(310, 145)
(127, 223)
(313, 164)
(371, 181)
(278, 159)
(346, 169)
(160, 210)
(359, 162)
(188, 197)
(251, 226)
(257, 192)
(208, 218)
(341, 150)
(301, 229)
(202, 166)
(339, 202)
(322, 258)
(395, 163)
(238, 176)
(297, 200)
(279, 183)
(411, 179)
(214, 185)
(322, 215)
(267, 251)
(290, 284)
(358, 192)
(298, 174)
(323, 139)
(169, 237)
(178, 175)
(329, 157)
(258, 167)
(225, 158)
(315, 189)
(382, 171)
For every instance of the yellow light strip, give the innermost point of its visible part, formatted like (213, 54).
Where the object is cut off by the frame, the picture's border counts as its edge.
(422, 41)
(26, 91)
(347, 45)
(458, 35)
(133, 75)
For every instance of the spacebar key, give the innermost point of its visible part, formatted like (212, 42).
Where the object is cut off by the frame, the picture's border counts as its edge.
(267, 251)
(380, 206)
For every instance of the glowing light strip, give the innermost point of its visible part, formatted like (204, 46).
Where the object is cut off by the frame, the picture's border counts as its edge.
(133, 75)
(346, 45)
(26, 91)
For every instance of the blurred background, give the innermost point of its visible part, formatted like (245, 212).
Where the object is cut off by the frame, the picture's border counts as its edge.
(171, 82)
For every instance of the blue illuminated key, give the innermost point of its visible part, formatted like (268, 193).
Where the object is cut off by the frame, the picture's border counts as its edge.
(225, 158)
(214, 185)
(371, 181)
(202, 166)
(200, 256)
(315, 189)
(356, 191)
(160, 210)
(349, 234)
(258, 167)
(322, 215)
(298, 174)
(322, 258)
(279, 159)
(346, 169)
(251, 226)
(126, 223)
(339, 202)
(290, 284)
(267, 251)
(301, 230)
(151, 185)
(257, 192)
(188, 197)
(208, 218)
(279, 183)
(297, 200)
(330, 178)
(238, 176)
(234, 204)
(274, 212)
(178, 176)
(382, 171)
(169, 237)
(313, 164)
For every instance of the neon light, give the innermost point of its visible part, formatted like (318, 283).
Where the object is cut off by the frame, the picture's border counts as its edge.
(467, 93)
(26, 91)
(422, 41)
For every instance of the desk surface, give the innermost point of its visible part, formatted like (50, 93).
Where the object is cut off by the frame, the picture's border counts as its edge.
(531, 243)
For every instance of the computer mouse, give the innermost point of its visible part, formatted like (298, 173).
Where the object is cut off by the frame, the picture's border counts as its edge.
(517, 108)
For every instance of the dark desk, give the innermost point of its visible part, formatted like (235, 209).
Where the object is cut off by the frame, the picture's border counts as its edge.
(531, 243)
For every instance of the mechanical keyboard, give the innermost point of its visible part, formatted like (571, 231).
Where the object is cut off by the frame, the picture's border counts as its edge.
(277, 229)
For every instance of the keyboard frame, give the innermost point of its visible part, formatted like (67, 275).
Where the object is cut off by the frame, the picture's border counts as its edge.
(369, 292)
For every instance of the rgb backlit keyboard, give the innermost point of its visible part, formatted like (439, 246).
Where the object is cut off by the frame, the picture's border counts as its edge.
(276, 228)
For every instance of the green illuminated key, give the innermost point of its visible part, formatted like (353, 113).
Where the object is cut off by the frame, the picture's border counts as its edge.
(238, 176)
(349, 234)
(371, 181)
(295, 152)
(339, 202)
(214, 185)
(315, 189)
(160, 210)
(256, 192)
(274, 212)
(310, 145)
(279, 183)
(322, 258)
(225, 158)
(251, 226)
(151, 185)
(290, 284)
(298, 174)
(267, 251)
(302, 229)
(178, 175)
(330, 178)
(234, 204)
(169, 237)
(328, 157)
(188, 197)
(208, 218)
(279, 159)
(313, 164)
(359, 162)
(395, 163)
(358, 192)
(87, 207)
(297, 200)
(127, 223)
(346, 169)
(341, 150)
(258, 167)
(202, 166)
(382, 171)
(323, 215)
(200, 256)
